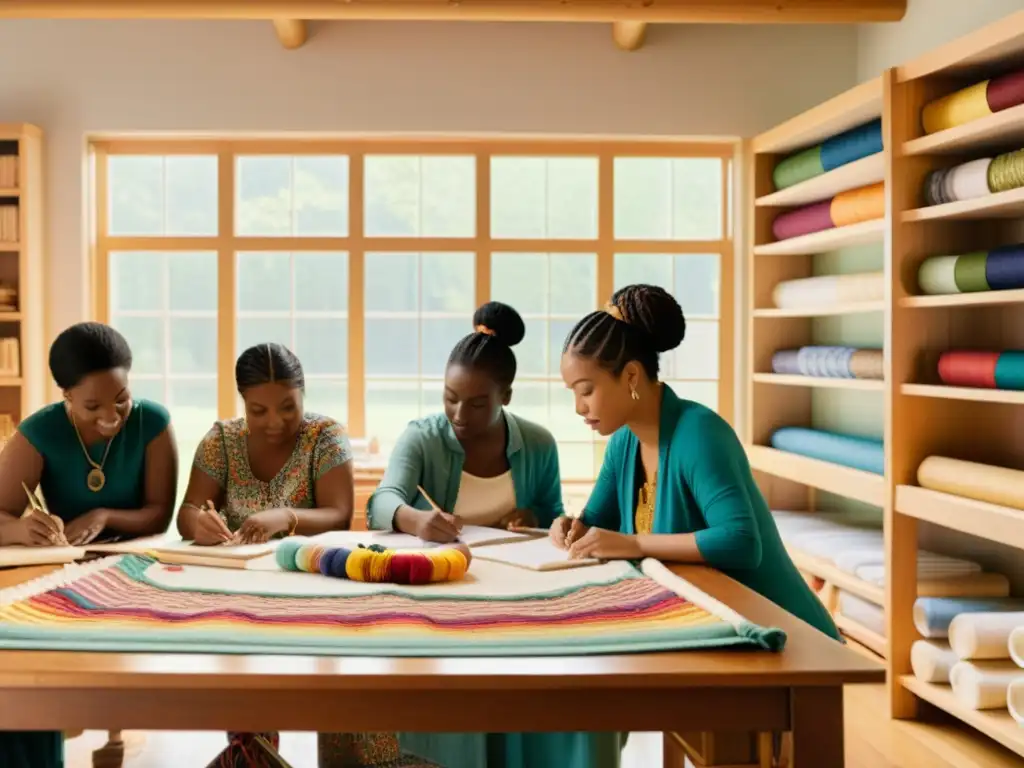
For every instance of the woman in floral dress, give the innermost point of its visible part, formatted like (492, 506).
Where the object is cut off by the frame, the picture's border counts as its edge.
(277, 471)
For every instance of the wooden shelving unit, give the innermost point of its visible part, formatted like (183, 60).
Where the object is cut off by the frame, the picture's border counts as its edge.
(925, 417)
(790, 481)
(22, 268)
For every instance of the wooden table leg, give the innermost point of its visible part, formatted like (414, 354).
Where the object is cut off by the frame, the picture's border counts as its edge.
(111, 754)
(817, 721)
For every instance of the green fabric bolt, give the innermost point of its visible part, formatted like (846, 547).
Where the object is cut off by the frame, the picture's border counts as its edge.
(797, 168)
(970, 272)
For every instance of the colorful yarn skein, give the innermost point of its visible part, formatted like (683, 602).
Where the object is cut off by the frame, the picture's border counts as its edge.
(985, 370)
(839, 150)
(851, 207)
(1000, 269)
(974, 102)
(829, 362)
(976, 178)
(374, 563)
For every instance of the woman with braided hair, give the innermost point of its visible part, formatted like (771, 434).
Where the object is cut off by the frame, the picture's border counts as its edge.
(675, 484)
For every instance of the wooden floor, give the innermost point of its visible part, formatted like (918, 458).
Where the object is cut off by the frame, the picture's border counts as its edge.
(872, 741)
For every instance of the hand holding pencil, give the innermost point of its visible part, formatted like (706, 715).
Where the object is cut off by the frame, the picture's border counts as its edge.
(38, 528)
(436, 524)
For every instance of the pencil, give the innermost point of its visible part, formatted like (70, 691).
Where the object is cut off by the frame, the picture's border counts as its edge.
(430, 501)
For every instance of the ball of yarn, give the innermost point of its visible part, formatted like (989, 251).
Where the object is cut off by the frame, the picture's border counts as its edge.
(375, 564)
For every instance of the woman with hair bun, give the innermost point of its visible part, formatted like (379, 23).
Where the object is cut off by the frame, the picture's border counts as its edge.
(675, 484)
(483, 466)
(480, 463)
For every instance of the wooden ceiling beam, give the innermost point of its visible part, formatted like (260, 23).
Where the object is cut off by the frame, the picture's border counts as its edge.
(290, 32)
(649, 11)
(629, 35)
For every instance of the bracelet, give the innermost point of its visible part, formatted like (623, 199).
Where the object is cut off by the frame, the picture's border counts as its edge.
(295, 522)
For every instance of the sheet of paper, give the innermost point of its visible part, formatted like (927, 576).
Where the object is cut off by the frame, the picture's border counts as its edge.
(15, 556)
(538, 554)
(471, 536)
(241, 551)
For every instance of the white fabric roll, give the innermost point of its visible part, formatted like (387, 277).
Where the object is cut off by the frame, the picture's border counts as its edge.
(983, 684)
(931, 661)
(983, 635)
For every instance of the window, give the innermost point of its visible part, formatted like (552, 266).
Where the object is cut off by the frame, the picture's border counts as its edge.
(368, 257)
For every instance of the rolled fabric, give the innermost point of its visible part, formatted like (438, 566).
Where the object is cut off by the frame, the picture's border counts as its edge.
(867, 364)
(852, 451)
(785, 361)
(935, 191)
(863, 612)
(1016, 646)
(826, 290)
(983, 635)
(1004, 268)
(957, 108)
(968, 368)
(852, 145)
(932, 615)
(981, 482)
(1005, 91)
(1007, 171)
(931, 661)
(816, 217)
(798, 168)
(857, 205)
(1015, 701)
(969, 272)
(985, 584)
(968, 180)
(937, 275)
(983, 684)
(1010, 370)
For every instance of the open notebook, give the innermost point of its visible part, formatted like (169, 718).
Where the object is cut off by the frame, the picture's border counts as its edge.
(538, 554)
(471, 536)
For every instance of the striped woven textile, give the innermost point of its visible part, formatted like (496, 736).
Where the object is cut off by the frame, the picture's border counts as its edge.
(119, 604)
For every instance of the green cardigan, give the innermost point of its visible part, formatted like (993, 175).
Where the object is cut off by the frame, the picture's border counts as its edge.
(705, 487)
(429, 454)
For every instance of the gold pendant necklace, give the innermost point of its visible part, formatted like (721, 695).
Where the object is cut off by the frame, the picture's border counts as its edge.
(95, 480)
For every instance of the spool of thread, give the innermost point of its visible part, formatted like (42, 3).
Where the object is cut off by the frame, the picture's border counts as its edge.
(986, 370)
(999, 269)
(1006, 172)
(974, 102)
(851, 207)
(961, 182)
(374, 564)
(847, 147)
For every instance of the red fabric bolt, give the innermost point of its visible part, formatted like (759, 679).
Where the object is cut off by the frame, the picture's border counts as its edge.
(420, 569)
(401, 568)
(968, 368)
(1005, 91)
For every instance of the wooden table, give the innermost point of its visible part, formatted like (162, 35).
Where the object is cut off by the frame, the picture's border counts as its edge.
(798, 690)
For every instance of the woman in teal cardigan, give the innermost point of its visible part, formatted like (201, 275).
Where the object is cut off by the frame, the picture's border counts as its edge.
(484, 466)
(675, 484)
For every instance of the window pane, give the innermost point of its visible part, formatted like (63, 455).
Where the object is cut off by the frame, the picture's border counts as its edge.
(414, 196)
(390, 406)
(532, 352)
(704, 392)
(660, 198)
(392, 348)
(693, 278)
(135, 189)
(136, 281)
(536, 197)
(321, 195)
(431, 396)
(573, 284)
(437, 337)
(191, 192)
(193, 407)
(193, 345)
(328, 397)
(263, 196)
(145, 335)
(321, 281)
(558, 330)
(192, 279)
(530, 400)
(449, 284)
(149, 388)
(576, 461)
(392, 282)
(697, 356)
(521, 280)
(563, 421)
(251, 331)
(321, 344)
(264, 282)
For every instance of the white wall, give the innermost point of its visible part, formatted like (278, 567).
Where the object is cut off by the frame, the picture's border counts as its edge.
(77, 77)
(928, 24)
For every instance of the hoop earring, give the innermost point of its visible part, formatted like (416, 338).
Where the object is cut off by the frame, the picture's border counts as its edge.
(633, 393)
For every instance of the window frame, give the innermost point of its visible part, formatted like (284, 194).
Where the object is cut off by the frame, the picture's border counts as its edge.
(226, 244)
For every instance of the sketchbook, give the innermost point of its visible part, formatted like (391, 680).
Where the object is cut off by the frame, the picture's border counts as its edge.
(214, 556)
(536, 554)
(470, 535)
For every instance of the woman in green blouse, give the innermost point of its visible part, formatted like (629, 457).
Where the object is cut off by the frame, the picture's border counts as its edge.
(675, 484)
(106, 464)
